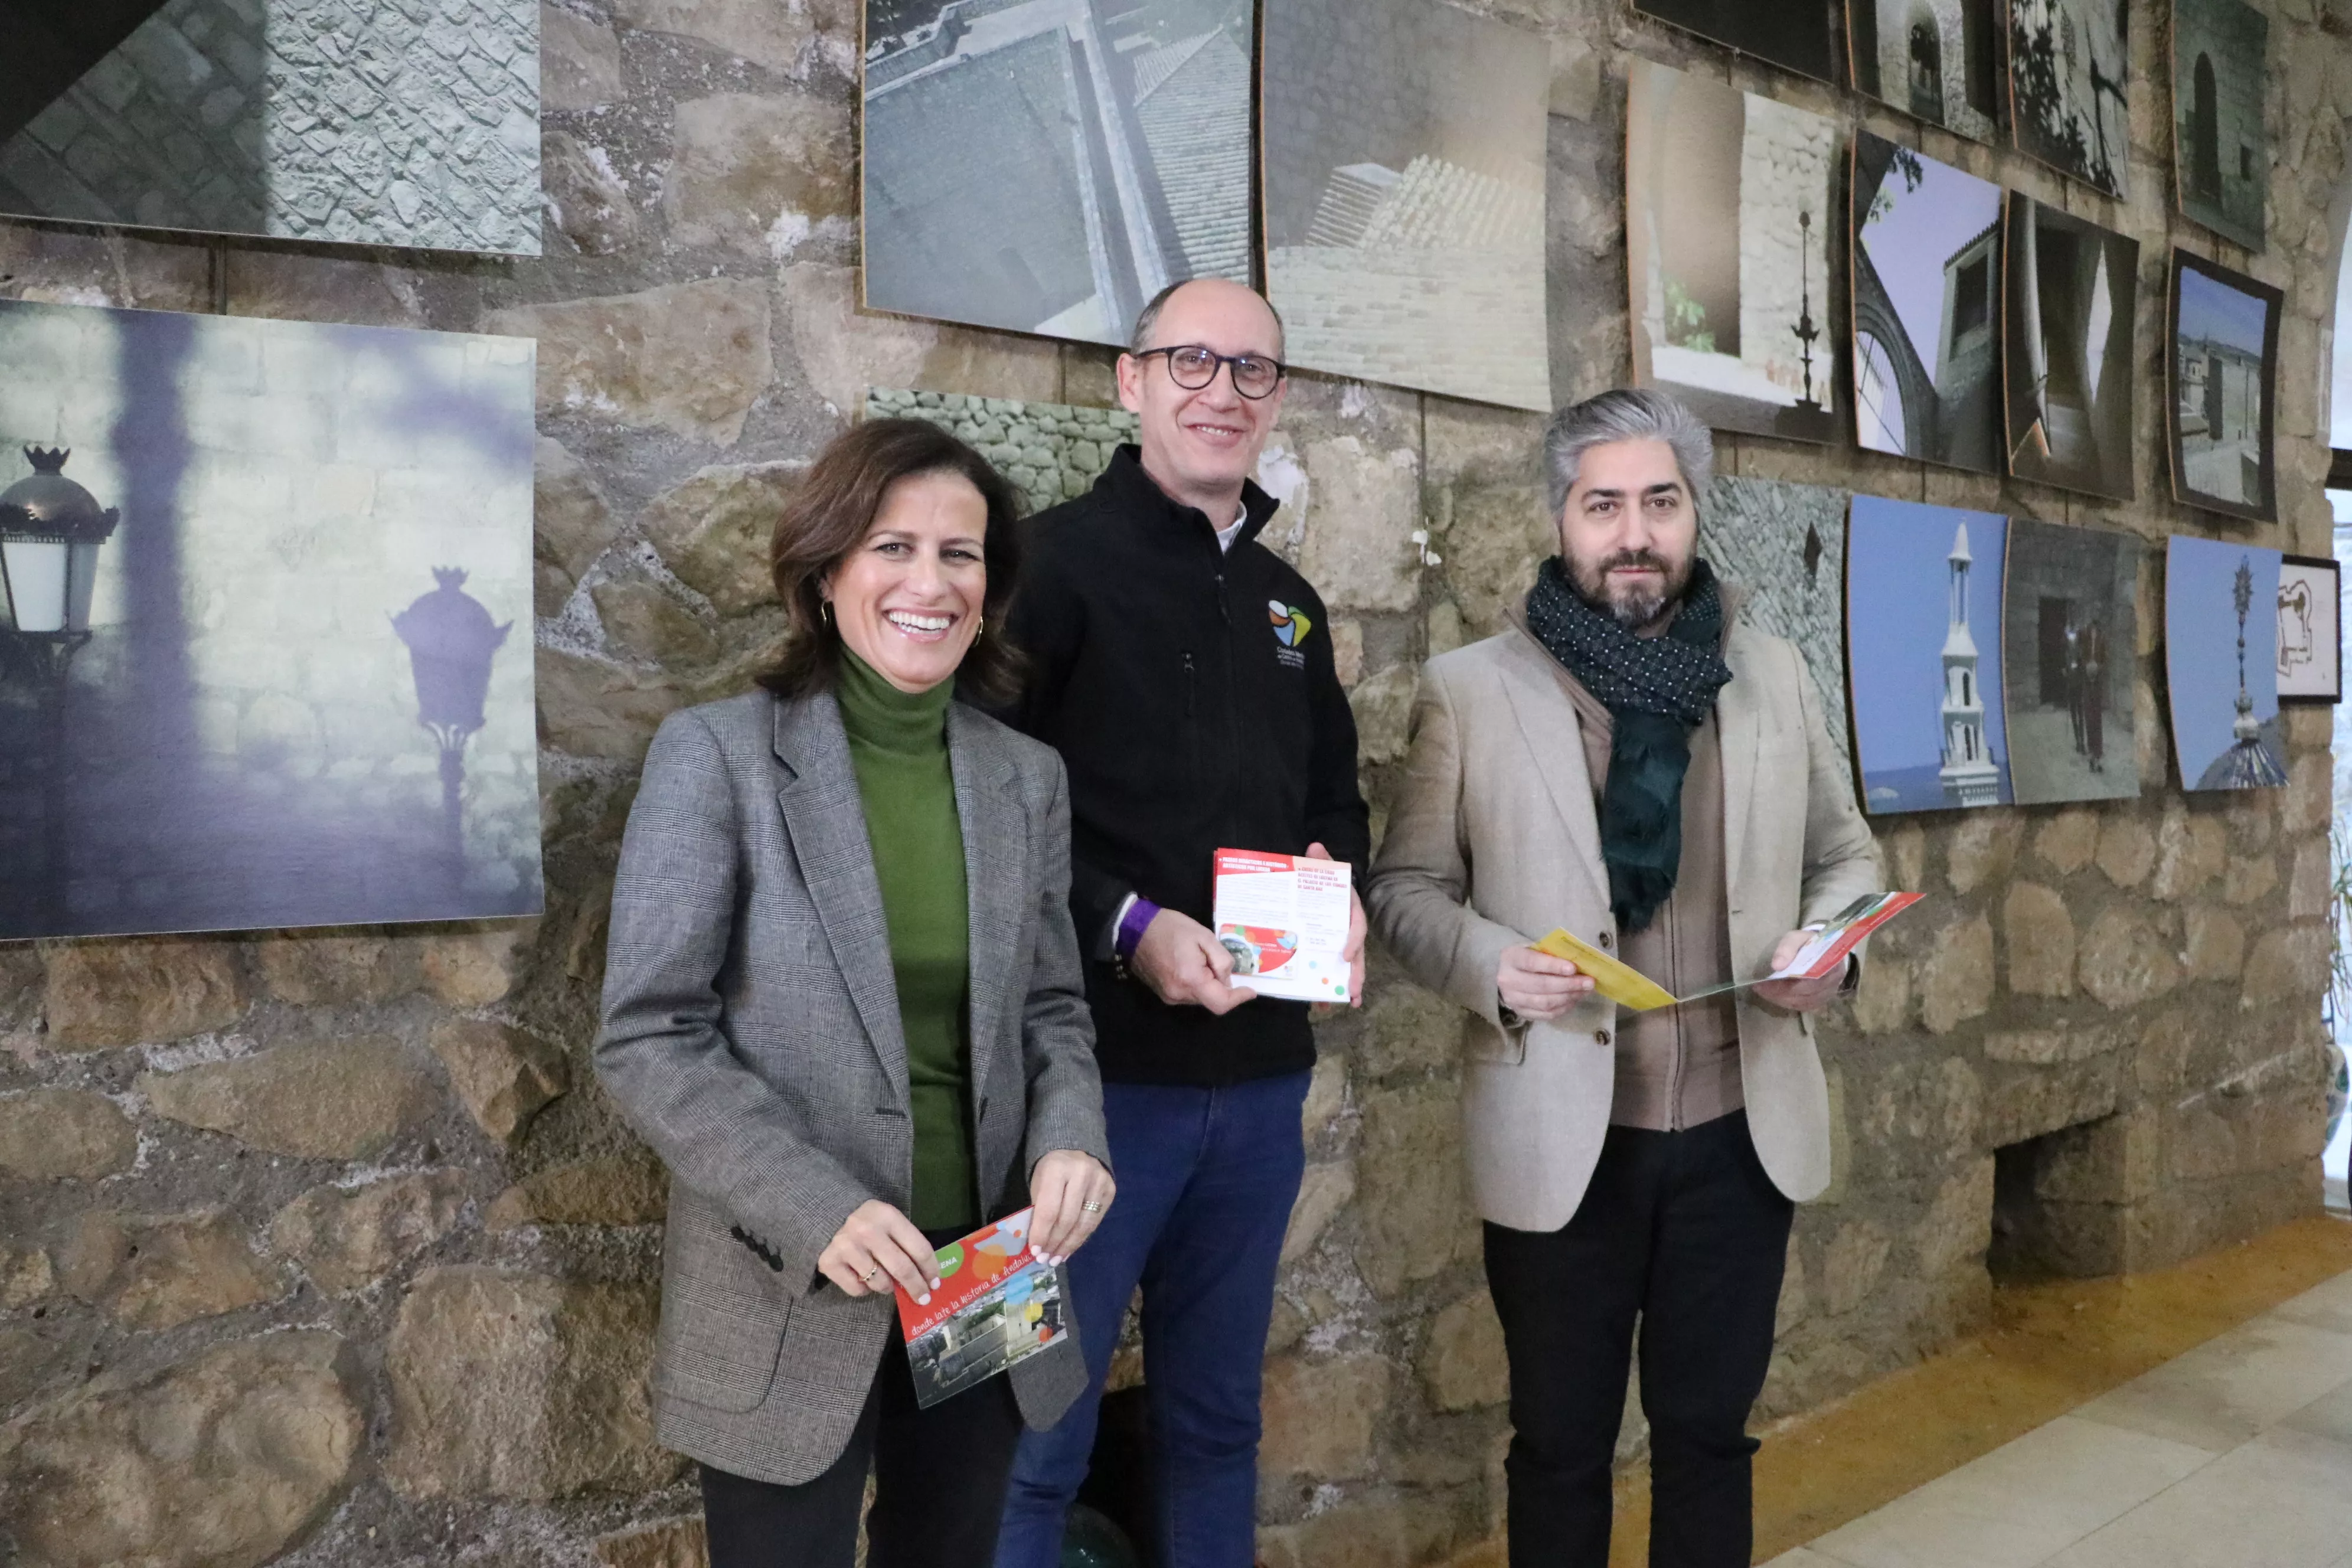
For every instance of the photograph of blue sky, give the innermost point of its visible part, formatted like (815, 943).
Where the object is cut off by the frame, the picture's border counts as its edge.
(2210, 309)
(2200, 638)
(1910, 233)
(1898, 576)
(1927, 264)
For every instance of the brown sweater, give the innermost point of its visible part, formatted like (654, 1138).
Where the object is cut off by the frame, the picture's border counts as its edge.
(1676, 1066)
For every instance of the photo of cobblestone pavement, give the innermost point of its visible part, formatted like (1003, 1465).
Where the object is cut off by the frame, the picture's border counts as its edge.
(1405, 196)
(1052, 451)
(362, 121)
(1045, 166)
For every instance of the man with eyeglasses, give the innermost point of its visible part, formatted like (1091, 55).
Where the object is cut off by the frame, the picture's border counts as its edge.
(1184, 672)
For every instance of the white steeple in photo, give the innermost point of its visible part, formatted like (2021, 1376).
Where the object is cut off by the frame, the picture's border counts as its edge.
(1968, 775)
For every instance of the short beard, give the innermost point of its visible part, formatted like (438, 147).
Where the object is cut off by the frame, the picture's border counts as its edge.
(1637, 610)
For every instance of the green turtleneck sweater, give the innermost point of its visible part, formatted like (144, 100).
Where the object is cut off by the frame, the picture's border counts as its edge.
(898, 747)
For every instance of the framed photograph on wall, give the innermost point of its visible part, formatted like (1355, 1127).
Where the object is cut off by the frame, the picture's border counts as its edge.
(2224, 328)
(2221, 151)
(2310, 630)
(1733, 317)
(2070, 640)
(1797, 35)
(2221, 663)
(1926, 296)
(2070, 88)
(1402, 150)
(1936, 60)
(2070, 292)
(1923, 587)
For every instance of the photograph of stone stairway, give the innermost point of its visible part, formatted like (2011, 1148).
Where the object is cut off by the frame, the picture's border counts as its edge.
(2070, 294)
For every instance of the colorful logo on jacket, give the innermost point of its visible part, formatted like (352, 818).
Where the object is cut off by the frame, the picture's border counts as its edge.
(1290, 625)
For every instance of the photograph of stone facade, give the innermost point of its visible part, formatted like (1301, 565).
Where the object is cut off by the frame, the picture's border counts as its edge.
(1052, 451)
(1936, 60)
(2221, 663)
(1924, 654)
(1731, 317)
(1048, 165)
(358, 121)
(292, 683)
(2310, 629)
(2070, 640)
(1800, 37)
(2070, 86)
(1925, 293)
(2220, 150)
(2224, 363)
(1782, 547)
(1402, 173)
(2069, 292)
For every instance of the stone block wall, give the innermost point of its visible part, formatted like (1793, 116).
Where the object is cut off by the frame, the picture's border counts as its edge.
(350, 1207)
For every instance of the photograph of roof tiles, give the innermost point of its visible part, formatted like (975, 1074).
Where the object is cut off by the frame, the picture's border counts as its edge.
(1403, 181)
(359, 121)
(1040, 166)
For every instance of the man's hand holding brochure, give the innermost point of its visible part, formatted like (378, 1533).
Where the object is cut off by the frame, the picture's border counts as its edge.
(1819, 955)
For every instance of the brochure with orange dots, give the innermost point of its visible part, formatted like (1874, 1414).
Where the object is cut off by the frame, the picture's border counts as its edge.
(997, 1305)
(1285, 919)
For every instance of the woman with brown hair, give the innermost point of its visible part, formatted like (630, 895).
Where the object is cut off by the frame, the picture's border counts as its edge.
(843, 1002)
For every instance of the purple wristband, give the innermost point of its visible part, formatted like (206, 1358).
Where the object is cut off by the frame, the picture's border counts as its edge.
(1131, 927)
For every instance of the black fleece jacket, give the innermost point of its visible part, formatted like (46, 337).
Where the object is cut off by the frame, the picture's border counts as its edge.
(1188, 724)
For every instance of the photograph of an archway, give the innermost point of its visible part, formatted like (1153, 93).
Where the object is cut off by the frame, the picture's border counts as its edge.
(2221, 151)
(1936, 60)
(1926, 273)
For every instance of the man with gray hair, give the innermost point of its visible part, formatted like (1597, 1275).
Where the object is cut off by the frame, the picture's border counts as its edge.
(1633, 763)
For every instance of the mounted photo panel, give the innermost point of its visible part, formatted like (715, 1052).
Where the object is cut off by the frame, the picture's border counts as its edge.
(2221, 148)
(1049, 167)
(1784, 545)
(2223, 362)
(1936, 60)
(1402, 175)
(1797, 36)
(1925, 294)
(2070, 88)
(2069, 291)
(266, 641)
(2221, 663)
(367, 122)
(2070, 640)
(1731, 317)
(1923, 589)
(2310, 630)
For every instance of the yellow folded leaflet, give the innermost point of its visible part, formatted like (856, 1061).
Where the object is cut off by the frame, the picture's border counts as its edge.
(1613, 978)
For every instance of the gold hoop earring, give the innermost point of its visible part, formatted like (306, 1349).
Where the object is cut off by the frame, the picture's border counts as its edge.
(979, 625)
(825, 611)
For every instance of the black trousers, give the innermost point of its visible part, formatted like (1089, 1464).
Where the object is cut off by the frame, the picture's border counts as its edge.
(1685, 1232)
(939, 1486)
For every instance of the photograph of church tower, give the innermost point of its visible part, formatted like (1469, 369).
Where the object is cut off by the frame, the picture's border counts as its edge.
(1924, 654)
(2220, 657)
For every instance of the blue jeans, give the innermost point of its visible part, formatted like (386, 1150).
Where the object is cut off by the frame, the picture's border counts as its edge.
(1206, 1181)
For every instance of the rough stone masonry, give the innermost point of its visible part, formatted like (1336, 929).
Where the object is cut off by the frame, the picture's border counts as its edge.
(323, 1249)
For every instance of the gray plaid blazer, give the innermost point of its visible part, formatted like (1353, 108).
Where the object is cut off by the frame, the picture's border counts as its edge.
(752, 1036)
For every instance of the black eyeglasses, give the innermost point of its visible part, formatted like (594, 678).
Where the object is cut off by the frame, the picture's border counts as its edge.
(1192, 367)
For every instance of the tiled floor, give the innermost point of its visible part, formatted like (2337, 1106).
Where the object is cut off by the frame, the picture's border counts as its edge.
(2235, 1455)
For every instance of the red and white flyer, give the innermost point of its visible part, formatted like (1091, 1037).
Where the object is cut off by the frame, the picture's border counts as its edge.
(1285, 919)
(997, 1305)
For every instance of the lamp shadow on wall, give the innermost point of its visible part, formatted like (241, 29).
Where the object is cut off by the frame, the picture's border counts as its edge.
(251, 739)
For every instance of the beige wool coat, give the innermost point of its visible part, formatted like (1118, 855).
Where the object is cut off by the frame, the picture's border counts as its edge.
(1494, 840)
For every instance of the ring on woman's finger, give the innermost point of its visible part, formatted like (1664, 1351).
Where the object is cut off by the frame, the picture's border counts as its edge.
(872, 1274)
(1091, 1206)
